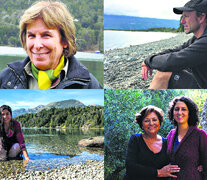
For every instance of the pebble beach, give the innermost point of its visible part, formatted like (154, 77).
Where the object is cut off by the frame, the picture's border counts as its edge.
(122, 67)
(90, 170)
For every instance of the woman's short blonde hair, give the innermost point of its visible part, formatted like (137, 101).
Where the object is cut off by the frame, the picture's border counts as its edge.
(55, 15)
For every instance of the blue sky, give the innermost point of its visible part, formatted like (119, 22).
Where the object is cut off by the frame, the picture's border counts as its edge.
(162, 9)
(27, 98)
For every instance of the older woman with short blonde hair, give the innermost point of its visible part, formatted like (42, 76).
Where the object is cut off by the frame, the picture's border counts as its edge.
(47, 34)
(54, 15)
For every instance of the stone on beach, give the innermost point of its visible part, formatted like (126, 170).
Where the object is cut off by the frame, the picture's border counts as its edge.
(122, 68)
(92, 142)
(83, 171)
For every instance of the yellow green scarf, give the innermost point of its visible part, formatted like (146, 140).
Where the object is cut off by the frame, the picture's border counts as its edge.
(45, 78)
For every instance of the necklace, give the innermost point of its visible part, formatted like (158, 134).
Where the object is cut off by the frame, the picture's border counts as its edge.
(6, 128)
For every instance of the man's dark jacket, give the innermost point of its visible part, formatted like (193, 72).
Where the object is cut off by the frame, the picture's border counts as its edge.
(78, 76)
(192, 54)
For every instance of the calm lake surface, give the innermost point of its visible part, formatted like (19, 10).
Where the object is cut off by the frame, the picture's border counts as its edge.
(51, 148)
(120, 39)
(93, 61)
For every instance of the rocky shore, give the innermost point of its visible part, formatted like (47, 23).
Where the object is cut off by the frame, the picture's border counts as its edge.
(122, 67)
(90, 170)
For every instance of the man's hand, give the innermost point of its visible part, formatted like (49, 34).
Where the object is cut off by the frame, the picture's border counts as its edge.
(145, 71)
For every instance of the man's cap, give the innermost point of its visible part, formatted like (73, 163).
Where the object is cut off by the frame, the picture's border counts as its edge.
(193, 5)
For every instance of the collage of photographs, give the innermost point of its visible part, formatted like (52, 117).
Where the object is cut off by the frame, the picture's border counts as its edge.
(103, 89)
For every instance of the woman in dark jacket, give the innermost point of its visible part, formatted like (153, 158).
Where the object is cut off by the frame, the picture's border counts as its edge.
(187, 145)
(146, 157)
(47, 33)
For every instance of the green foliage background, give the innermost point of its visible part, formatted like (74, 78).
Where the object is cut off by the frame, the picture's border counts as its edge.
(73, 117)
(120, 108)
(89, 27)
(181, 27)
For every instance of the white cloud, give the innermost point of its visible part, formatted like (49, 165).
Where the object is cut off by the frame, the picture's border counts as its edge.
(88, 101)
(17, 99)
(143, 8)
(24, 104)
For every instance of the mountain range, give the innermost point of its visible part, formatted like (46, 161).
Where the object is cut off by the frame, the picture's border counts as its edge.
(58, 104)
(121, 22)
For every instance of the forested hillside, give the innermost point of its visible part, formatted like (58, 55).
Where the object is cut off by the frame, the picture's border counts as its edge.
(88, 15)
(122, 22)
(73, 117)
(131, 23)
(58, 104)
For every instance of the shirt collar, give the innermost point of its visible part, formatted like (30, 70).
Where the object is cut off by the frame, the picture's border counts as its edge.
(33, 81)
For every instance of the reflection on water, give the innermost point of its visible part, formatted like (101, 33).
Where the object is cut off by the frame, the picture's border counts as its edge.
(95, 67)
(50, 161)
(50, 148)
(61, 142)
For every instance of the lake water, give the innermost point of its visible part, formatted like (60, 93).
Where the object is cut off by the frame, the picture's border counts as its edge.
(93, 61)
(50, 148)
(120, 39)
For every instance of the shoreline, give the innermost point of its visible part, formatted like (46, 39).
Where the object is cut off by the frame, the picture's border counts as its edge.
(122, 66)
(124, 39)
(81, 55)
(138, 30)
(88, 170)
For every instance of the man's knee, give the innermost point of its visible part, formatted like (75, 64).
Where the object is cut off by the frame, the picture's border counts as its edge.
(162, 76)
(160, 80)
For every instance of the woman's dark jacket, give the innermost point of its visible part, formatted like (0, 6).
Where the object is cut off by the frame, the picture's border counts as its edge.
(78, 76)
(190, 153)
(191, 55)
(141, 162)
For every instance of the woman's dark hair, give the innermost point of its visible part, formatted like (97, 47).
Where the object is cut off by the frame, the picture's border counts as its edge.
(192, 108)
(139, 117)
(3, 134)
(5, 107)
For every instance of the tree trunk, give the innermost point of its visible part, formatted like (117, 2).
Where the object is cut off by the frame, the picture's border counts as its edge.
(204, 116)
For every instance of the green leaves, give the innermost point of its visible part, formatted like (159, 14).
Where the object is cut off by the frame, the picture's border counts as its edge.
(88, 15)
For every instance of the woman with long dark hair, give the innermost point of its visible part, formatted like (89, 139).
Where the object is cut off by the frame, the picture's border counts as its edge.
(187, 145)
(13, 139)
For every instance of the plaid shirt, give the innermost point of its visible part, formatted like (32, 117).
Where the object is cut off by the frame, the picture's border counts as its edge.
(15, 135)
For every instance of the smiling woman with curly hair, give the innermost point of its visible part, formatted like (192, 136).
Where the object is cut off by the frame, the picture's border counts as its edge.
(146, 157)
(187, 145)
